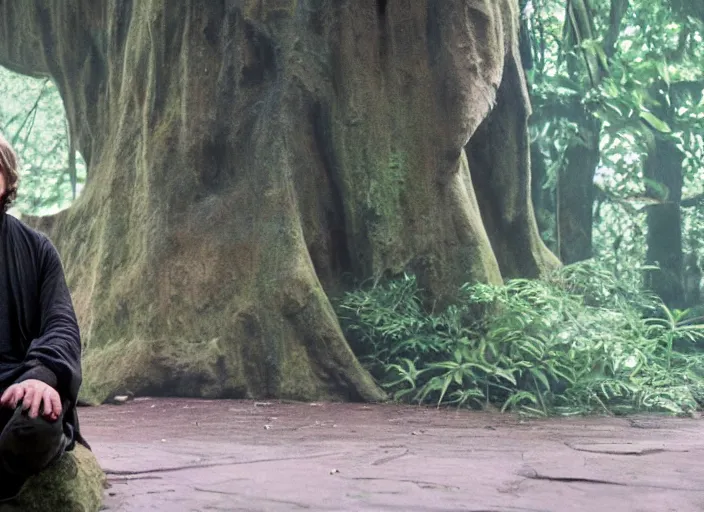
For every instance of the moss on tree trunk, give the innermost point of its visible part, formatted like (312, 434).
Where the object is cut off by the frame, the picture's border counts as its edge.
(247, 158)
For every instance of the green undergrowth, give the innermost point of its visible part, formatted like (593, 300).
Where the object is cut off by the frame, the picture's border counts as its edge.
(577, 342)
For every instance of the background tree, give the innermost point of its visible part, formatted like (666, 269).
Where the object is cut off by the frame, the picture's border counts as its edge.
(646, 112)
(247, 160)
(33, 118)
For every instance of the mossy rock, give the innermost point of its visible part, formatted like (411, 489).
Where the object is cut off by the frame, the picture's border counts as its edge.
(75, 483)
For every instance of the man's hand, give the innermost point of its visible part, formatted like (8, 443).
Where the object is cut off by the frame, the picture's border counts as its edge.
(33, 393)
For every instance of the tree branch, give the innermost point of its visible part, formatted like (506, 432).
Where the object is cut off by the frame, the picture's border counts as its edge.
(579, 27)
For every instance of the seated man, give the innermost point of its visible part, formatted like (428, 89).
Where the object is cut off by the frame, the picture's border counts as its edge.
(40, 348)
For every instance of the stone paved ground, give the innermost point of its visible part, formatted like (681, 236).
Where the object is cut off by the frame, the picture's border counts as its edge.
(193, 455)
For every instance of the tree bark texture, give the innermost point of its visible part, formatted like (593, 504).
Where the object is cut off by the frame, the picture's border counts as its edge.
(663, 168)
(575, 187)
(542, 197)
(575, 192)
(249, 159)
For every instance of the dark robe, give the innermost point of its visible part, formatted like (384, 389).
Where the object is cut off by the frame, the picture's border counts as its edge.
(45, 340)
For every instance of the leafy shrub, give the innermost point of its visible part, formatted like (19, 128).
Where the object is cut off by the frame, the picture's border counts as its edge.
(577, 342)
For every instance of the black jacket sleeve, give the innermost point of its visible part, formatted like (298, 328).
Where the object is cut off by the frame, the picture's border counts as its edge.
(54, 356)
(37, 371)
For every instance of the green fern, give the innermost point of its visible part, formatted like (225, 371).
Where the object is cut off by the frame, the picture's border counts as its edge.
(577, 342)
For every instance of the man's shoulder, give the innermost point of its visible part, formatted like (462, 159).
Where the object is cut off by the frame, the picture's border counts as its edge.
(20, 230)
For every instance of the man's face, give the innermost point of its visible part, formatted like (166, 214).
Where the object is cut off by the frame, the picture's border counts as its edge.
(3, 186)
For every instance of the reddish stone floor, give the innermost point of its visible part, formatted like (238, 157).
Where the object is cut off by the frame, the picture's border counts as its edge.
(194, 455)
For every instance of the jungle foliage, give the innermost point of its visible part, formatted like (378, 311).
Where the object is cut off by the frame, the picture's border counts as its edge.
(577, 342)
(637, 81)
(621, 81)
(32, 118)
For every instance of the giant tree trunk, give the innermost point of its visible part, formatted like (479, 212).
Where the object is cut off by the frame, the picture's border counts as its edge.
(245, 156)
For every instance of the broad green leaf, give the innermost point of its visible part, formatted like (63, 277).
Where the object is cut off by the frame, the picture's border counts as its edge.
(654, 122)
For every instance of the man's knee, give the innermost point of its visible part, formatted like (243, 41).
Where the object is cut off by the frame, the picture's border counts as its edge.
(28, 445)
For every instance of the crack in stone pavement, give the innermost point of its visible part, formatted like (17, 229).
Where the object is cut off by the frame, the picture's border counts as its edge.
(126, 479)
(635, 452)
(532, 474)
(420, 483)
(114, 472)
(253, 498)
(390, 458)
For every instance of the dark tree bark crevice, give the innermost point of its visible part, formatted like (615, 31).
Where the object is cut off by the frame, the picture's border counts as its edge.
(381, 8)
(331, 255)
(500, 144)
(260, 63)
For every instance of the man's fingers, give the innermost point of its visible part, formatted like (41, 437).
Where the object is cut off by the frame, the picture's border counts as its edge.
(17, 395)
(27, 398)
(7, 395)
(52, 404)
(35, 403)
(55, 403)
(33, 395)
(48, 408)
